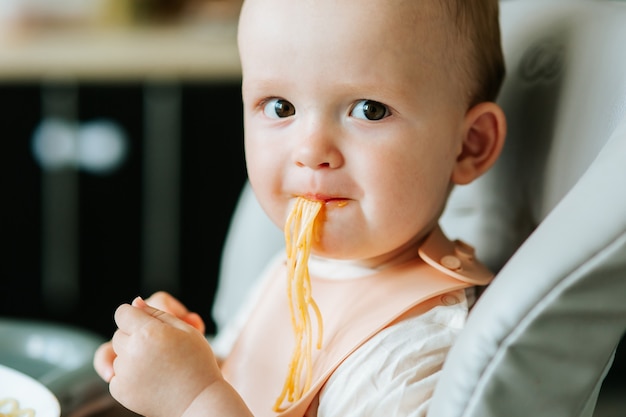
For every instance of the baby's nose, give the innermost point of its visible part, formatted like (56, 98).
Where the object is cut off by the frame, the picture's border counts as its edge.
(317, 152)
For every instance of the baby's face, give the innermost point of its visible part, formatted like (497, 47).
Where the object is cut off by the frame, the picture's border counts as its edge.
(351, 102)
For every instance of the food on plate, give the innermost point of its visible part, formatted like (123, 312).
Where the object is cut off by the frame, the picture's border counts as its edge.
(10, 407)
(299, 232)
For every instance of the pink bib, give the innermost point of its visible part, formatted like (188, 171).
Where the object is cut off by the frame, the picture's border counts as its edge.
(353, 310)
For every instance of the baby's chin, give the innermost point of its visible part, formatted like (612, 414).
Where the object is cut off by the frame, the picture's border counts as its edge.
(376, 256)
(344, 252)
(330, 253)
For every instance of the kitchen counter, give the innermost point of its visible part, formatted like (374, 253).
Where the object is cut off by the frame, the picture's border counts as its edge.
(202, 52)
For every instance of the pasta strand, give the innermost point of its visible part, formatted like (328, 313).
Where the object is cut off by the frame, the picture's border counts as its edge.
(298, 240)
(10, 407)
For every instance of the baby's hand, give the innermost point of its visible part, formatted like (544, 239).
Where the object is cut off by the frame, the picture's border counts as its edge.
(104, 356)
(161, 364)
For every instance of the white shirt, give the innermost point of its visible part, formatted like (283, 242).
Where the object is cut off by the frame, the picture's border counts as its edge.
(391, 375)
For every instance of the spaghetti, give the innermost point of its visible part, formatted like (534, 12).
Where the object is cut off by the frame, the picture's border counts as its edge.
(299, 229)
(10, 407)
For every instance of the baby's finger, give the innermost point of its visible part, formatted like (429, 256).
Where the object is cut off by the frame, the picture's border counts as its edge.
(140, 305)
(195, 321)
(119, 342)
(103, 361)
(130, 320)
(162, 300)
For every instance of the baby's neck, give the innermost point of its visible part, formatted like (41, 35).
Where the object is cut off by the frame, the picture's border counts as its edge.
(337, 268)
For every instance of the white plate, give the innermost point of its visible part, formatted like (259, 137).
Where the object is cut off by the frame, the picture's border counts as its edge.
(58, 356)
(28, 392)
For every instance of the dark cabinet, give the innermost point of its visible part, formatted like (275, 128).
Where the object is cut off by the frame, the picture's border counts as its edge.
(77, 240)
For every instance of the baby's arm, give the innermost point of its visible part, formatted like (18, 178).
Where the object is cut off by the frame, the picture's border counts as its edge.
(165, 367)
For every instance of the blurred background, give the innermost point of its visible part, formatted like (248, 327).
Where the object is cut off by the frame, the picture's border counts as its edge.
(121, 157)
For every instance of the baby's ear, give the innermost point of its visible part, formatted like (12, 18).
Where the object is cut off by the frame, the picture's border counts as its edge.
(483, 138)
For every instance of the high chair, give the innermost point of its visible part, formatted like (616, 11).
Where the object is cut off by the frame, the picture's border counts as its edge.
(550, 219)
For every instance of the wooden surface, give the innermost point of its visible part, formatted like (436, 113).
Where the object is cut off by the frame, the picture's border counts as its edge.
(202, 52)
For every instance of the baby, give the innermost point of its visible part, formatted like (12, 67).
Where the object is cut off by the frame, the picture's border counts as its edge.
(373, 110)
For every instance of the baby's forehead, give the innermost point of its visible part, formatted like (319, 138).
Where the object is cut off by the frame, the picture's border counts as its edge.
(417, 27)
(407, 8)
(347, 36)
(402, 19)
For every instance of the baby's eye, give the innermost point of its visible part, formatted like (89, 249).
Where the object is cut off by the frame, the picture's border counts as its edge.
(278, 108)
(370, 110)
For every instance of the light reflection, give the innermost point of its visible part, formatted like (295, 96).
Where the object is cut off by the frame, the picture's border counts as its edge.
(98, 146)
(53, 350)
